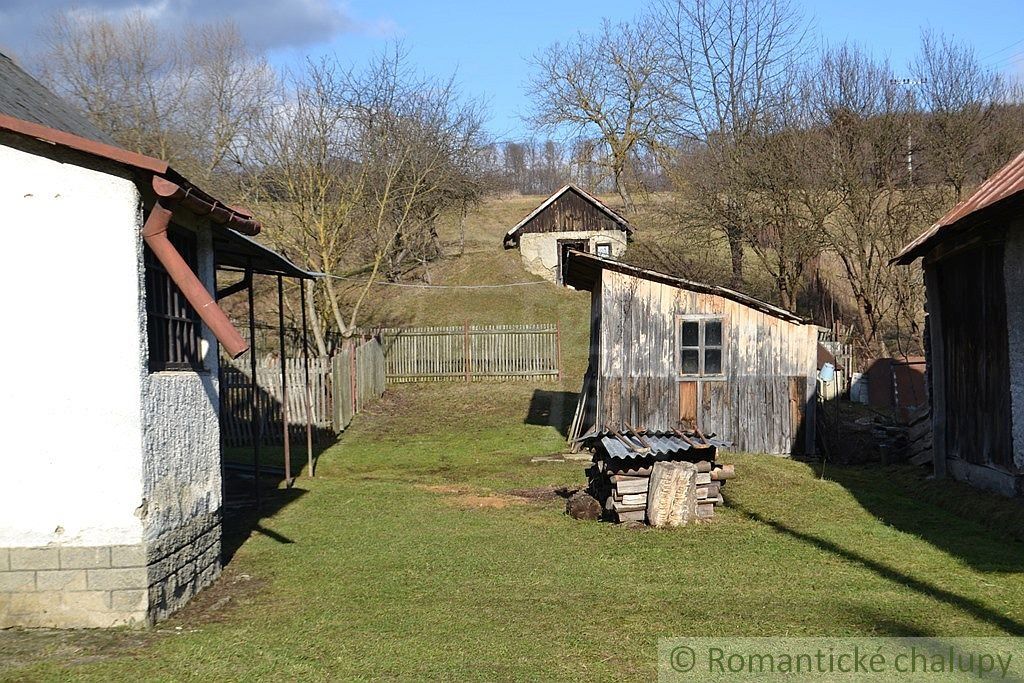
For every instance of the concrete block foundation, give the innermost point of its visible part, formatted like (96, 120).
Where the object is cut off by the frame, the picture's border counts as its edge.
(102, 586)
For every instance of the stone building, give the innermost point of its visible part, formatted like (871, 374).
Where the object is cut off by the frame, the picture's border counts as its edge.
(570, 219)
(110, 505)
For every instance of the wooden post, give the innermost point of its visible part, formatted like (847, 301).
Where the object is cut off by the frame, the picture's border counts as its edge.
(284, 382)
(936, 370)
(305, 363)
(558, 348)
(255, 423)
(353, 368)
(467, 354)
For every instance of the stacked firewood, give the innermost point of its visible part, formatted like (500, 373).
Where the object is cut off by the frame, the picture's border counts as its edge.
(623, 484)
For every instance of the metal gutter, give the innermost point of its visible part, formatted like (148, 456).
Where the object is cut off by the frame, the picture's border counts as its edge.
(154, 232)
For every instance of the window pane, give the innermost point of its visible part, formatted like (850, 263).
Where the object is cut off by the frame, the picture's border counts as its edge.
(690, 361)
(713, 333)
(604, 250)
(713, 361)
(689, 336)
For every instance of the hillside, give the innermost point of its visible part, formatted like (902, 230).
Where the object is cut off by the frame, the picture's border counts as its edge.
(485, 263)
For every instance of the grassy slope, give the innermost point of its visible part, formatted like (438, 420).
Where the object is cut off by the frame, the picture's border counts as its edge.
(409, 558)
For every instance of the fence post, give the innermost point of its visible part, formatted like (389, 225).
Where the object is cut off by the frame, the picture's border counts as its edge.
(352, 375)
(558, 348)
(467, 355)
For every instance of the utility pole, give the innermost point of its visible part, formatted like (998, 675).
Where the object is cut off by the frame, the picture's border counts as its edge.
(909, 84)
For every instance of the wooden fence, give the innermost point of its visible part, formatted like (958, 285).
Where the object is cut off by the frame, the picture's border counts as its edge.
(358, 377)
(472, 352)
(339, 388)
(236, 406)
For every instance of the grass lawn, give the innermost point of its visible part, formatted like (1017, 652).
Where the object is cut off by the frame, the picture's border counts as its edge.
(423, 550)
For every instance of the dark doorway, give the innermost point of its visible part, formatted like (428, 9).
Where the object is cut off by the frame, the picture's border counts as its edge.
(564, 247)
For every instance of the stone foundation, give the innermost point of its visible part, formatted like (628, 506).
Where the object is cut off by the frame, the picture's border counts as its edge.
(103, 586)
(181, 563)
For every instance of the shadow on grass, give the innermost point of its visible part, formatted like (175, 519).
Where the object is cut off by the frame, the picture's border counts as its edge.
(971, 606)
(901, 498)
(242, 522)
(552, 409)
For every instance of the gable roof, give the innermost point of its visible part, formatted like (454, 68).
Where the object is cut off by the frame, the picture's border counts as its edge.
(996, 192)
(512, 236)
(584, 270)
(24, 98)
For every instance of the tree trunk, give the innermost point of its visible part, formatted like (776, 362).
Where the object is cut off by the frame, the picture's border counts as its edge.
(332, 299)
(735, 237)
(620, 187)
(314, 321)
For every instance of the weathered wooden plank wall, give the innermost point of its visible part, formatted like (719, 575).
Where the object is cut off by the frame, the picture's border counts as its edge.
(471, 353)
(765, 360)
(570, 213)
(976, 360)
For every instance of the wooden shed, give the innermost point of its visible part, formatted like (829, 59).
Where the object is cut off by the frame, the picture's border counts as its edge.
(973, 259)
(570, 219)
(667, 353)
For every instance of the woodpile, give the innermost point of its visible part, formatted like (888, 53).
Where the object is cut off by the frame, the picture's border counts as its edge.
(635, 476)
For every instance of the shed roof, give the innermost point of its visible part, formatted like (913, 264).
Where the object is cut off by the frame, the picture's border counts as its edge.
(513, 234)
(998, 192)
(583, 271)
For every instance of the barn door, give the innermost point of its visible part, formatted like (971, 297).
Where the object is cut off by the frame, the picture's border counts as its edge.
(797, 408)
(564, 247)
(688, 403)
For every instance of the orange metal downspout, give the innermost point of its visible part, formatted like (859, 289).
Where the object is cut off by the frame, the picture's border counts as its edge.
(154, 232)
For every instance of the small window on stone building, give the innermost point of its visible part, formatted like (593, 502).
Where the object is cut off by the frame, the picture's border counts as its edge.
(604, 249)
(700, 347)
(172, 324)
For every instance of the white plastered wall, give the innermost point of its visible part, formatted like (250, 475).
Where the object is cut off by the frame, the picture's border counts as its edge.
(71, 387)
(540, 249)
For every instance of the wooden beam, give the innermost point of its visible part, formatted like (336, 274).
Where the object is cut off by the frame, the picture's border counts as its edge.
(936, 371)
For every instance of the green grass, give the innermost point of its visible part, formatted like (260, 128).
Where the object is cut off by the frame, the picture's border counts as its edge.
(409, 558)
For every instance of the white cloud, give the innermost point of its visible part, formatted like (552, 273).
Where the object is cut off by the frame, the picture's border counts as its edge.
(264, 23)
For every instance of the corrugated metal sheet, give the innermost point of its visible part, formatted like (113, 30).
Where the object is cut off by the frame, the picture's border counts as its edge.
(660, 445)
(1006, 182)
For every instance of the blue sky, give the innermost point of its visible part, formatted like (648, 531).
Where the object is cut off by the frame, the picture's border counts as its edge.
(487, 43)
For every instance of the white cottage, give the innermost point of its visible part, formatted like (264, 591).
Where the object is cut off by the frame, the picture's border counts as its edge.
(110, 505)
(569, 220)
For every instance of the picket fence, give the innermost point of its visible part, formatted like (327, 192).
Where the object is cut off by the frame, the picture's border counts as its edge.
(358, 377)
(471, 353)
(339, 387)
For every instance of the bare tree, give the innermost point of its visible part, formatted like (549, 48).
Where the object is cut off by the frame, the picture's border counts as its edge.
(603, 86)
(959, 97)
(726, 59)
(865, 115)
(356, 164)
(190, 100)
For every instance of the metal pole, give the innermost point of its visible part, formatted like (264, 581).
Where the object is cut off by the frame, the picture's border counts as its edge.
(284, 382)
(255, 427)
(305, 363)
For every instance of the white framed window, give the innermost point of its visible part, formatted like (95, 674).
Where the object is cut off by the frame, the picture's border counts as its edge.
(701, 346)
(603, 249)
